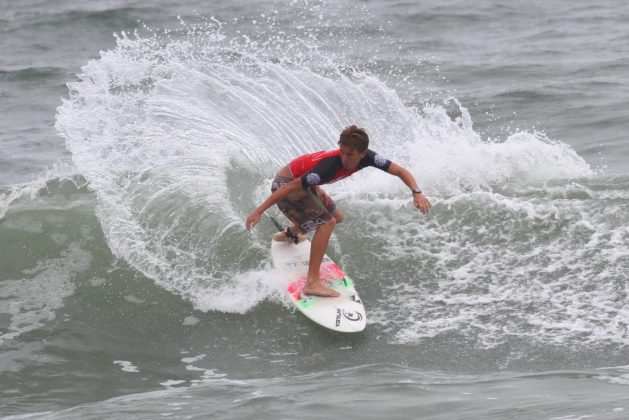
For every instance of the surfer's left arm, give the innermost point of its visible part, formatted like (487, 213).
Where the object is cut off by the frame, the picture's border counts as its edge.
(420, 201)
(279, 194)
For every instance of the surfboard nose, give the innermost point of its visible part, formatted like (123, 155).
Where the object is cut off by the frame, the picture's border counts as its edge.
(344, 313)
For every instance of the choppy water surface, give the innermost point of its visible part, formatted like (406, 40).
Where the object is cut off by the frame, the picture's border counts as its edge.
(128, 283)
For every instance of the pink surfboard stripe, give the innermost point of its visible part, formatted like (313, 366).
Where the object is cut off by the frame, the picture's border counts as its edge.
(328, 273)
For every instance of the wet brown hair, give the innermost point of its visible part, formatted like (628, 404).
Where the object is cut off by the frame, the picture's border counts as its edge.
(354, 137)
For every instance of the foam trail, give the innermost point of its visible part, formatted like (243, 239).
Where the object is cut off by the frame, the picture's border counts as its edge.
(500, 268)
(32, 301)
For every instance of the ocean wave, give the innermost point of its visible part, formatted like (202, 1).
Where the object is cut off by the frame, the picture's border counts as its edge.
(547, 265)
(50, 181)
(368, 391)
(31, 73)
(61, 16)
(179, 137)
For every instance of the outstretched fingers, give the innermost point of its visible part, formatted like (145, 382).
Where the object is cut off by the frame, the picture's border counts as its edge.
(422, 203)
(252, 220)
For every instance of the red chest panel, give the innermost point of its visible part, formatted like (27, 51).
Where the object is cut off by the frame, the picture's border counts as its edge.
(304, 164)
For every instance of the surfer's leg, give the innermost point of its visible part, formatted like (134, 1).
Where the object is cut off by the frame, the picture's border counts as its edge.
(314, 285)
(329, 204)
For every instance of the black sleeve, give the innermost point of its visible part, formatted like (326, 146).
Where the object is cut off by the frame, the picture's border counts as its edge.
(323, 172)
(374, 159)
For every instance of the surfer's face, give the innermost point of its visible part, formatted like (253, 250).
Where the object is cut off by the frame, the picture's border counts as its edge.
(351, 157)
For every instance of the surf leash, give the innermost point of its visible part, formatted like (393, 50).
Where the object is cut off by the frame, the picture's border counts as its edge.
(290, 235)
(277, 224)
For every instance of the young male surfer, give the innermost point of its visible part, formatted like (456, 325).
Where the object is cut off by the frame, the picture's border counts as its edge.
(297, 194)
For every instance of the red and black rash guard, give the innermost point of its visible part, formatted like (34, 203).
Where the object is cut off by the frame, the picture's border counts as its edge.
(326, 167)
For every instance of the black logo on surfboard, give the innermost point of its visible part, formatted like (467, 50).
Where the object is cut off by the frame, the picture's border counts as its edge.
(352, 316)
(349, 315)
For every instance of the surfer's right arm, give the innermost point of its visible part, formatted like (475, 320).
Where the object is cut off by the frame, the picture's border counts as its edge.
(280, 193)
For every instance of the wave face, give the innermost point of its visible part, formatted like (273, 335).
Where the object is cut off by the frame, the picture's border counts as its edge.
(128, 283)
(485, 396)
(179, 134)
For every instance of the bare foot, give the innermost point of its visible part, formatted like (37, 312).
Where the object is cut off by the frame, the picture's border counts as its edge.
(317, 288)
(281, 237)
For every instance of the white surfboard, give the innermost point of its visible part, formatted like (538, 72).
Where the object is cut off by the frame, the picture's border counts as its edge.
(344, 313)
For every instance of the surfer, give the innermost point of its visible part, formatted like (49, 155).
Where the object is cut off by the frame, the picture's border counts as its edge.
(296, 191)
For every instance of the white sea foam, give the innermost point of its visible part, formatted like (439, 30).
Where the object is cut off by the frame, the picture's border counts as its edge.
(172, 382)
(10, 195)
(133, 299)
(126, 366)
(33, 300)
(505, 267)
(193, 359)
(190, 320)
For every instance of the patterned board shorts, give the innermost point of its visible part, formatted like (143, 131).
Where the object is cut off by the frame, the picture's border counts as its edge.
(308, 208)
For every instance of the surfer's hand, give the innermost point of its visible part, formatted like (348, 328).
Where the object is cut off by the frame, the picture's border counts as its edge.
(253, 220)
(421, 203)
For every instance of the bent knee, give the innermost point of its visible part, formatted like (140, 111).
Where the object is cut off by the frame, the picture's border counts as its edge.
(329, 224)
(339, 216)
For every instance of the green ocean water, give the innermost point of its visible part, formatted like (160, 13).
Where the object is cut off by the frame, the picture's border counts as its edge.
(129, 286)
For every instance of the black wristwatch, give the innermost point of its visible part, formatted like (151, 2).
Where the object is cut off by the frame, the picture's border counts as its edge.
(416, 191)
